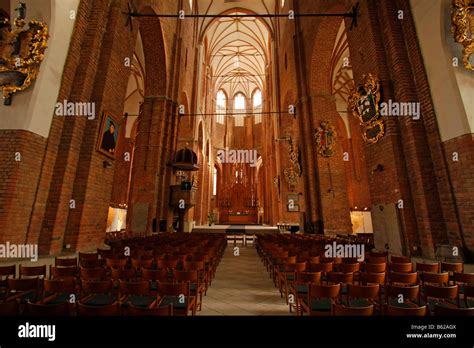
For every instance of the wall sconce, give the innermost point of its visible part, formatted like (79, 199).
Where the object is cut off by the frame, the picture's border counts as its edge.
(106, 164)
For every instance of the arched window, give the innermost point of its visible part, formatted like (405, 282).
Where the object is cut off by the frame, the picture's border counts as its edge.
(257, 105)
(239, 107)
(282, 3)
(214, 184)
(221, 106)
(191, 5)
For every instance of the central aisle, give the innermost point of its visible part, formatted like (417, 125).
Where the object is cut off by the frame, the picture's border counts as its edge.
(242, 286)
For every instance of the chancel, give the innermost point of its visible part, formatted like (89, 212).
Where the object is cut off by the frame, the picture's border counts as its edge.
(277, 157)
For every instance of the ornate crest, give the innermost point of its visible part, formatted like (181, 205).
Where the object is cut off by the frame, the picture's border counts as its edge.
(463, 28)
(364, 104)
(291, 177)
(21, 53)
(325, 137)
(294, 153)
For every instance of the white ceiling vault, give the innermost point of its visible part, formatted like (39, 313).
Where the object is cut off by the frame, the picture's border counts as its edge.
(238, 48)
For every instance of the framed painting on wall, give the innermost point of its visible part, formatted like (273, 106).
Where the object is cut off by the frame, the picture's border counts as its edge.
(108, 134)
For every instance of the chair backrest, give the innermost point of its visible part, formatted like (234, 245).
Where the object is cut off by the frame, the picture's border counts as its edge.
(32, 271)
(411, 293)
(88, 256)
(295, 267)
(400, 259)
(348, 267)
(375, 267)
(402, 267)
(90, 263)
(123, 273)
(142, 263)
(339, 277)
(155, 274)
(434, 278)
(112, 309)
(341, 310)
(320, 267)
(93, 273)
(443, 292)
(63, 286)
(173, 289)
(185, 276)
(427, 267)
(324, 291)
(96, 287)
(466, 278)
(167, 264)
(363, 291)
(377, 259)
(164, 311)
(451, 311)
(62, 272)
(452, 267)
(65, 262)
(59, 309)
(116, 263)
(403, 278)
(7, 271)
(134, 288)
(308, 277)
(373, 278)
(405, 311)
(20, 285)
(193, 265)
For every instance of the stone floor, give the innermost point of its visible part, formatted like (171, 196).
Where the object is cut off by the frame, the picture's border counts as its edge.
(242, 286)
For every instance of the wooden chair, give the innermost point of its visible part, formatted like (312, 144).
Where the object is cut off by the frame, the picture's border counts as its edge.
(65, 262)
(204, 272)
(138, 264)
(463, 279)
(453, 311)
(288, 275)
(89, 260)
(402, 267)
(154, 276)
(112, 309)
(405, 311)
(300, 287)
(319, 299)
(341, 310)
(447, 294)
(197, 288)
(363, 295)
(179, 295)
(58, 291)
(48, 310)
(164, 311)
(427, 267)
(97, 293)
(23, 289)
(452, 267)
(136, 293)
(348, 267)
